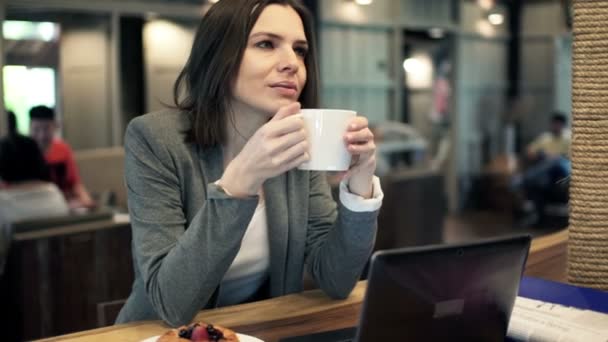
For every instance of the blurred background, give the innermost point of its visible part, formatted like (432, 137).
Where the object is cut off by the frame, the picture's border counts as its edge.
(455, 90)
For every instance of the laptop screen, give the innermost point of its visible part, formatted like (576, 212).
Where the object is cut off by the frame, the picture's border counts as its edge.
(463, 292)
(438, 293)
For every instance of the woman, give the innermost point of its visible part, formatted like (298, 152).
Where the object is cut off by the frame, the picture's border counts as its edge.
(219, 214)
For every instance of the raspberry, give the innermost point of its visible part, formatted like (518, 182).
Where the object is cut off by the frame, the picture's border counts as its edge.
(200, 334)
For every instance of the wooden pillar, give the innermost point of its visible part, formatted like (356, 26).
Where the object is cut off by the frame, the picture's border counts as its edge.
(588, 233)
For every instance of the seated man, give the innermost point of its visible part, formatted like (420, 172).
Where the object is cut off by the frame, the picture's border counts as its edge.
(549, 159)
(25, 190)
(59, 157)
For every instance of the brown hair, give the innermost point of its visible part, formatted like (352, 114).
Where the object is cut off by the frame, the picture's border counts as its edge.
(215, 58)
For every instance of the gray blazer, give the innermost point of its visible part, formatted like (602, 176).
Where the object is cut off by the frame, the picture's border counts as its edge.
(186, 232)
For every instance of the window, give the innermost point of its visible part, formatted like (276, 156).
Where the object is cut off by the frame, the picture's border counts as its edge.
(28, 30)
(25, 87)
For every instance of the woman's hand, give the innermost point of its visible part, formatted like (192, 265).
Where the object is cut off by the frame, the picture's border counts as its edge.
(276, 147)
(360, 143)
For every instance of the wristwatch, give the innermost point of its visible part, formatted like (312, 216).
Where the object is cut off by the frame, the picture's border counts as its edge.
(221, 188)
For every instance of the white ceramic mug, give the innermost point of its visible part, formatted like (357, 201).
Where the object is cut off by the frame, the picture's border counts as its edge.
(327, 147)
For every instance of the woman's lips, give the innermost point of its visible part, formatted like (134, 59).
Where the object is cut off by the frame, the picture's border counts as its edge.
(285, 91)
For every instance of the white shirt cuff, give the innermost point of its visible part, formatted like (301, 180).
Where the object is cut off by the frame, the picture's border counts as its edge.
(357, 203)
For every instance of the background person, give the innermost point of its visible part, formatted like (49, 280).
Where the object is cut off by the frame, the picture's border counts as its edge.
(549, 168)
(59, 157)
(25, 189)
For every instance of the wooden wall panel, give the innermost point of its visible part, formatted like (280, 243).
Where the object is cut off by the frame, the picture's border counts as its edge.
(56, 277)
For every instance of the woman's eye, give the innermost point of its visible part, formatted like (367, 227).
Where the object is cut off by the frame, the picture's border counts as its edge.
(301, 51)
(265, 44)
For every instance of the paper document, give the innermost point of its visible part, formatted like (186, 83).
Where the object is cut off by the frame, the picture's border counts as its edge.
(534, 320)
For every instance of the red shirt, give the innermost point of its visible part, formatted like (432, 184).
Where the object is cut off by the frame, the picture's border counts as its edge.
(60, 158)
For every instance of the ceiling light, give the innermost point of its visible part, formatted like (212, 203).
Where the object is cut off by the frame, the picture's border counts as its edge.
(411, 64)
(47, 31)
(485, 4)
(496, 19)
(436, 33)
(363, 2)
(418, 71)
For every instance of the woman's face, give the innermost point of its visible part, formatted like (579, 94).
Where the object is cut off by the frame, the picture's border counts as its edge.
(272, 73)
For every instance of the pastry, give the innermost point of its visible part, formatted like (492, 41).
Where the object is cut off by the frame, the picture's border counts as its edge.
(199, 332)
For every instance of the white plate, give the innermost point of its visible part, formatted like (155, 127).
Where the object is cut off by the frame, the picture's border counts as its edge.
(242, 338)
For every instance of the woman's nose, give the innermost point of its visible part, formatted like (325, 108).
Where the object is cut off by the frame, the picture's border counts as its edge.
(288, 61)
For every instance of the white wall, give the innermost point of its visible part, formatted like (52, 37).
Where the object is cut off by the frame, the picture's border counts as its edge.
(563, 70)
(381, 11)
(545, 66)
(355, 57)
(426, 12)
(362, 54)
(167, 46)
(84, 106)
(420, 95)
(543, 18)
(480, 89)
(473, 19)
(481, 82)
(354, 70)
(3, 118)
(408, 12)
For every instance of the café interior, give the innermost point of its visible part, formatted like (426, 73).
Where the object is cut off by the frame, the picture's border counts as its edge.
(455, 92)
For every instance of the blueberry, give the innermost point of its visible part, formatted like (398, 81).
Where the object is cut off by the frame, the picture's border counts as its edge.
(185, 333)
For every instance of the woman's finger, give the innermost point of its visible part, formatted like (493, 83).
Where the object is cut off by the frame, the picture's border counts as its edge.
(287, 125)
(289, 154)
(295, 162)
(357, 123)
(286, 141)
(368, 147)
(360, 136)
(286, 111)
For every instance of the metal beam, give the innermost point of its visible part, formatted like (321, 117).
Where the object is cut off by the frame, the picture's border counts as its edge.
(137, 7)
(115, 91)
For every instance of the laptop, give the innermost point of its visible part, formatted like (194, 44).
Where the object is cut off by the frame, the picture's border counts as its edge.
(459, 292)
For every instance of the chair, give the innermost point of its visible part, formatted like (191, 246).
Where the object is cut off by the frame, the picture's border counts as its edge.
(413, 209)
(102, 173)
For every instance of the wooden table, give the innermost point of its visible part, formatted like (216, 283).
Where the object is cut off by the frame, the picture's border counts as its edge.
(270, 320)
(548, 257)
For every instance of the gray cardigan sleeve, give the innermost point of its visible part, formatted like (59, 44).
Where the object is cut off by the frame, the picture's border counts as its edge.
(339, 241)
(181, 263)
